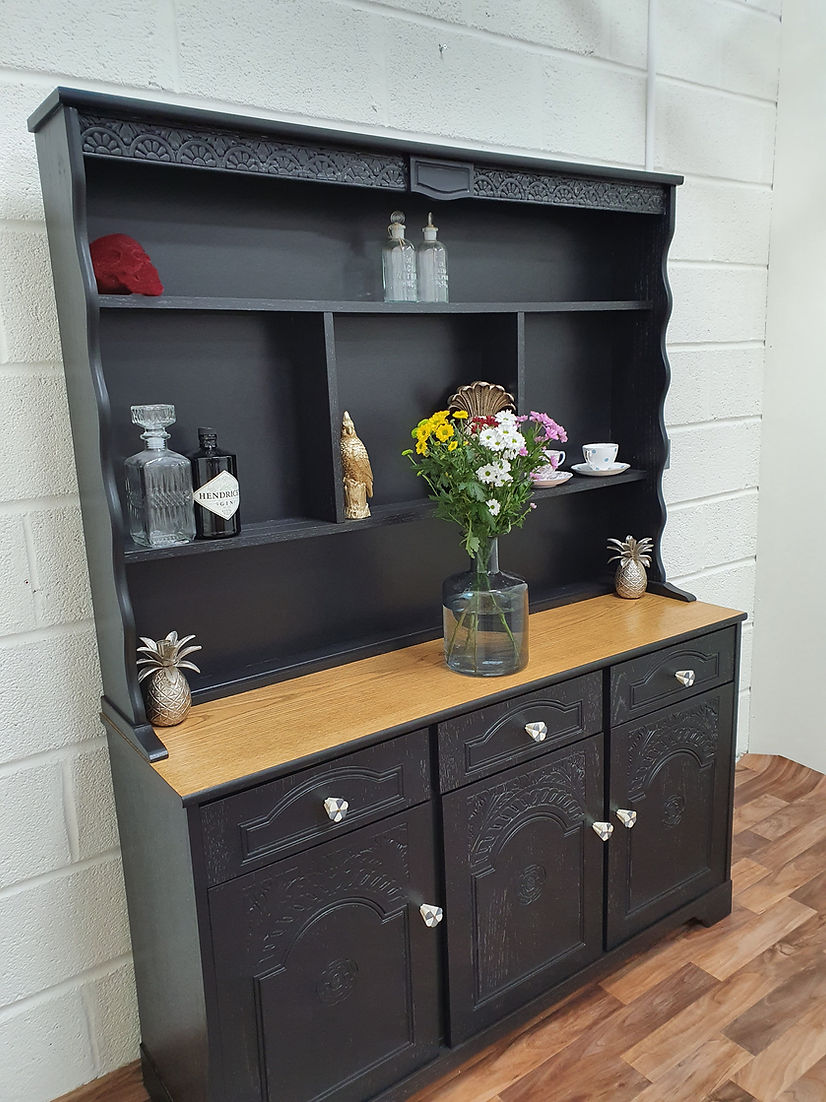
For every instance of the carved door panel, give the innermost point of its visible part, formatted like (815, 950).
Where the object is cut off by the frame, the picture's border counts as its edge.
(524, 876)
(673, 769)
(327, 976)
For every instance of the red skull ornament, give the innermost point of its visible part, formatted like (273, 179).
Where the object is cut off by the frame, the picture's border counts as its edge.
(122, 267)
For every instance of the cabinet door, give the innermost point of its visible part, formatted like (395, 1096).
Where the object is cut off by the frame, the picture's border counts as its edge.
(327, 975)
(524, 883)
(673, 769)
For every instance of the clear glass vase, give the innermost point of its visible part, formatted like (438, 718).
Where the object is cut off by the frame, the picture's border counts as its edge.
(485, 616)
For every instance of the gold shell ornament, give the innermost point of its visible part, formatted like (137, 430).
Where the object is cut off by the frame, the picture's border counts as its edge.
(481, 399)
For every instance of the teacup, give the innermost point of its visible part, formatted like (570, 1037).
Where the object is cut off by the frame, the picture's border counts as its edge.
(600, 456)
(555, 458)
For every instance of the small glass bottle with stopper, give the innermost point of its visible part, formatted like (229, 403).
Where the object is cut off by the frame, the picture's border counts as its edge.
(431, 265)
(158, 484)
(398, 263)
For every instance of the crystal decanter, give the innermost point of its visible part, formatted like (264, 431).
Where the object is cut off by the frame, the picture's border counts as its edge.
(158, 484)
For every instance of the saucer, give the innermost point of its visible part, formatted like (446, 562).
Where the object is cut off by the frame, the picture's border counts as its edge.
(612, 468)
(557, 480)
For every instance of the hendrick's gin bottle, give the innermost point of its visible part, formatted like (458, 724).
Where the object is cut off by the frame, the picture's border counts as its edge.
(215, 490)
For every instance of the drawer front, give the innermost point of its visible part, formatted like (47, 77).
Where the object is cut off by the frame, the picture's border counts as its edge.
(284, 816)
(480, 743)
(643, 684)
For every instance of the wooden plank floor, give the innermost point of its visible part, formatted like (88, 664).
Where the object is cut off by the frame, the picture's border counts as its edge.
(729, 1014)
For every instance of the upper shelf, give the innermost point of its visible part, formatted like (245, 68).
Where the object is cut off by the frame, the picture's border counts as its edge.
(175, 302)
(292, 528)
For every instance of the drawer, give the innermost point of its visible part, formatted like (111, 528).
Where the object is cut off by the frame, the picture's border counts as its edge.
(254, 828)
(487, 740)
(643, 684)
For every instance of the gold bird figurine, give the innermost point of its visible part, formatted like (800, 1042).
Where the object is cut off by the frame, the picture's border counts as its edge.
(357, 472)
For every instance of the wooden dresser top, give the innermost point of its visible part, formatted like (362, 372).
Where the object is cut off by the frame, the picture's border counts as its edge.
(238, 736)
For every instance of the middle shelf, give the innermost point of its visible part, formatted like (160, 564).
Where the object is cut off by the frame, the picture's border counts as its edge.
(293, 528)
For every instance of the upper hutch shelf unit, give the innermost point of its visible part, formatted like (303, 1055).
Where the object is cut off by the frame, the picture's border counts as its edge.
(267, 238)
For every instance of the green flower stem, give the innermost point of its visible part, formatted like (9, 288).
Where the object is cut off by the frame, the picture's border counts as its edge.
(481, 559)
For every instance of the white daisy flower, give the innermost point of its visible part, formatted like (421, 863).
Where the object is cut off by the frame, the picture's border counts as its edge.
(494, 506)
(512, 440)
(501, 472)
(491, 439)
(488, 474)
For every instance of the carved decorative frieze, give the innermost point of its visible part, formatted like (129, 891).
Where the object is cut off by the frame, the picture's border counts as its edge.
(558, 190)
(695, 731)
(240, 151)
(494, 814)
(279, 906)
(293, 159)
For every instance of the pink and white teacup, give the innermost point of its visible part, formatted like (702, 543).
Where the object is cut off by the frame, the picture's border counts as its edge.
(555, 458)
(547, 472)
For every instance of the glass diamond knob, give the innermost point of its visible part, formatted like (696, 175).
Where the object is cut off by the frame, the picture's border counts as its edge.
(538, 731)
(431, 914)
(336, 808)
(603, 830)
(685, 677)
(626, 817)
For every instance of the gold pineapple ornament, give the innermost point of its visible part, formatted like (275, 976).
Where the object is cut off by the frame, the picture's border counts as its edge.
(166, 692)
(634, 555)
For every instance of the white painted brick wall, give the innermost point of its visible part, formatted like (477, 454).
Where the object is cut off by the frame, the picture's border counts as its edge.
(543, 75)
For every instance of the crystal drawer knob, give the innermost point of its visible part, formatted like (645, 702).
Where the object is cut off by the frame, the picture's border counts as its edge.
(431, 915)
(685, 677)
(604, 830)
(336, 808)
(537, 731)
(626, 817)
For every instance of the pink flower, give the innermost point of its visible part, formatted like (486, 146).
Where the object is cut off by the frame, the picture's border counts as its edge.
(550, 429)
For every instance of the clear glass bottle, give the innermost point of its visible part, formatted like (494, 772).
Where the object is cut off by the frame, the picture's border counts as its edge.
(431, 265)
(485, 618)
(158, 484)
(398, 263)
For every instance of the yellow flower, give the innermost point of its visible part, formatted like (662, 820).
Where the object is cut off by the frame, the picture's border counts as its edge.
(421, 447)
(453, 445)
(444, 432)
(438, 417)
(460, 414)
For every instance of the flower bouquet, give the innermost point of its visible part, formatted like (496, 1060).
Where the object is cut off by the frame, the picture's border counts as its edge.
(479, 470)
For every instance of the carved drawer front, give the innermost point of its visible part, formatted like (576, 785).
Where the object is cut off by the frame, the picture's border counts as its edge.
(483, 742)
(292, 813)
(643, 684)
(669, 806)
(523, 877)
(326, 968)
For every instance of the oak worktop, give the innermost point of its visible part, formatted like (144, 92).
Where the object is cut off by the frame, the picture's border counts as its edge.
(238, 736)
